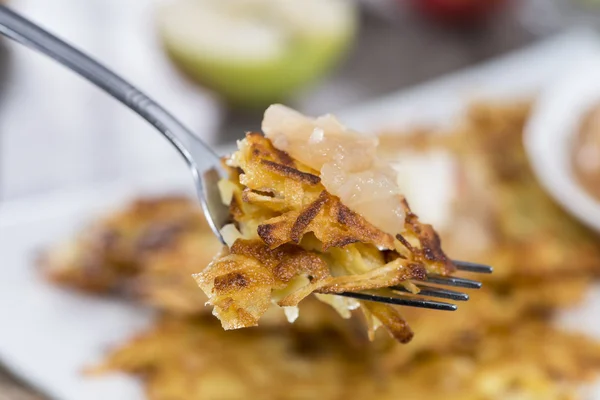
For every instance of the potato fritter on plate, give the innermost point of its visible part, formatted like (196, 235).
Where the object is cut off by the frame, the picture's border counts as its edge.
(533, 236)
(500, 214)
(146, 251)
(193, 359)
(508, 308)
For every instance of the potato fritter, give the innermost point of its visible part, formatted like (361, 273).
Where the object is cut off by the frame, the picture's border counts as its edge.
(534, 237)
(147, 251)
(493, 308)
(500, 203)
(293, 238)
(501, 214)
(195, 359)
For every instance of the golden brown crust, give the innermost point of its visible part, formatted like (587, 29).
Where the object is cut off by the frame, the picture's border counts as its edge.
(391, 319)
(306, 217)
(290, 172)
(284, 262)
(359, 227)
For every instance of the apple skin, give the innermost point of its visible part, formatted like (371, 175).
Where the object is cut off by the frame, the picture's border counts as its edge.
(258, 84)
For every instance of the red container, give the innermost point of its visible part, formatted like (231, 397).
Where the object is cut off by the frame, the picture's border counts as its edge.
(457, 11)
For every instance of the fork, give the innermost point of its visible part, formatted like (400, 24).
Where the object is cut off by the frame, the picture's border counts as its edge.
(203, 162)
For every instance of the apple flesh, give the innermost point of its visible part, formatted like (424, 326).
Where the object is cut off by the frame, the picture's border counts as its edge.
(256, 52)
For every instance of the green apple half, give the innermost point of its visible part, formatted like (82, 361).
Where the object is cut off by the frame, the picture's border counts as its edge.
(256, 52)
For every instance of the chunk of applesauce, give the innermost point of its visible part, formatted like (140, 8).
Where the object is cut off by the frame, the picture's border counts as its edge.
(346, 160)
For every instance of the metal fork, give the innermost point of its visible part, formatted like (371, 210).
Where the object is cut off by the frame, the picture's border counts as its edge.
(203, 162)
(399, 295)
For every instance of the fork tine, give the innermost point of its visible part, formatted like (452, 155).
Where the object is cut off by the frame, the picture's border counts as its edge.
(472, 267)
(453, 281)
(431, 291)
(401, 300)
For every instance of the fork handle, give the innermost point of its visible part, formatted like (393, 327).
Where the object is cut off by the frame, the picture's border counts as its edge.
(29, 34)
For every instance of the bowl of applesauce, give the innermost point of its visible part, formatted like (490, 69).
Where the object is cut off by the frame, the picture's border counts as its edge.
(562, 140)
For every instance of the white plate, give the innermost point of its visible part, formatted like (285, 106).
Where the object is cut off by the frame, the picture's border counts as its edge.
(47, 335)
(551, 131)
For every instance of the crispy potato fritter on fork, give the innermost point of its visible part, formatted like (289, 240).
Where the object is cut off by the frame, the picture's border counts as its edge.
(291, 237)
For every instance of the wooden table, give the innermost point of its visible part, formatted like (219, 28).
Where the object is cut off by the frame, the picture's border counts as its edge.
(13, 389)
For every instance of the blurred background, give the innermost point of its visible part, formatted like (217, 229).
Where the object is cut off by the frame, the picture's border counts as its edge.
(216, 64)
(57, 132)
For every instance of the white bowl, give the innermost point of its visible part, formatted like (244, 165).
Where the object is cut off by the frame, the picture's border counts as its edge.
(551, 130)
